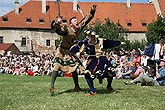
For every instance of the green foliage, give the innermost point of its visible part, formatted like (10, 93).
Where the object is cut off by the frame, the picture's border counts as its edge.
(136, 44)
(156, 30)
(32, 93)
(110, 30)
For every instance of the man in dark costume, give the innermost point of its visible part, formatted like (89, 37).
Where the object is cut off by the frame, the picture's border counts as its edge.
(97, 66)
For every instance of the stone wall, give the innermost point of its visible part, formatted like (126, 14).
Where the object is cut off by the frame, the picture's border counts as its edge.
(35, 40)
(136, 36)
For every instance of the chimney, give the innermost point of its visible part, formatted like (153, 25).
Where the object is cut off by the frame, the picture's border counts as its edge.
(157, 6)
(16, 6)
(150, 1)
(75, 5)
(128, 4)
(44, 6)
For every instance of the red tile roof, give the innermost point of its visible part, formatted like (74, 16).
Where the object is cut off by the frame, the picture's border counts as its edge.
(9, 47)
(138, 13)
(162, 6)
(5, 46)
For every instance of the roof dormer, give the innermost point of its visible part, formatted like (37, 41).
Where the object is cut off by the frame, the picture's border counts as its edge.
(28, 20)
(4, 19)
(41, 21)
(129, 23)
(64, 21)
(143, 23)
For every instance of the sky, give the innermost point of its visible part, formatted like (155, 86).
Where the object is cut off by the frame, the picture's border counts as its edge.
(8, 5)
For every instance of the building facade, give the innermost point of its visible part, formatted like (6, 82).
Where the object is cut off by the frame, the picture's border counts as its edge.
(40, 41)
(28, 26)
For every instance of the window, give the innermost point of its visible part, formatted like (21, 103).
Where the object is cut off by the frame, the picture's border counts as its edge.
(4, 19)
(64, 21)
(23, 42)
(28, 20)
(144, 24)
(129, 24)
(47, 42)
(41, 21)
(1, 39)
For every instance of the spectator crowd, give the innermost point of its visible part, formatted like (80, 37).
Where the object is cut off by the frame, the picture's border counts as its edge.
(128, 64)
(32, 65)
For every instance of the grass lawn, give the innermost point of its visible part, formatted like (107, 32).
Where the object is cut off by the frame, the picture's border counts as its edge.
(32, 93)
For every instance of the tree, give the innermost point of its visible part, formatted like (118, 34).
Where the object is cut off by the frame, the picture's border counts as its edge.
(156, 30)
(115, 31)
(110, 30)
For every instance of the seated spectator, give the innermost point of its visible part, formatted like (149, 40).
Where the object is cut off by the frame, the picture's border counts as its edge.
(2, 70)
(131, 70)
(47, 66)
(11, 68)
(138, 71)
(30, 72)
(150, 81)
(23, 70)
(35, 69)
(121, 67)
(136, 57)
(17, 67)
(41, 69)
(131, 55)
(7, 69)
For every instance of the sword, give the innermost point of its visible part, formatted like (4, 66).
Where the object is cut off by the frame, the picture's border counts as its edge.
(58, 2)
(59, 17)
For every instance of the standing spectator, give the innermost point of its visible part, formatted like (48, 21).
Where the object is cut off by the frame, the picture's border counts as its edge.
(158, 52)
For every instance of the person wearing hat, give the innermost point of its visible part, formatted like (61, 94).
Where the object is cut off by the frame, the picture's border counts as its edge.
(98, 66)
(65, 60)
(150, 81)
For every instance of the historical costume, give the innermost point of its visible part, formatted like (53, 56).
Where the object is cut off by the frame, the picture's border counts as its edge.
(65, 60)
(98, 66)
